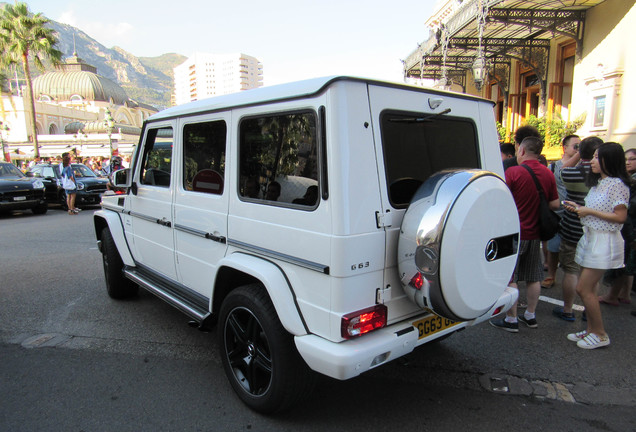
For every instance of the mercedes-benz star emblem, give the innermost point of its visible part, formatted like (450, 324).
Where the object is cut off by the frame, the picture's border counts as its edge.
(492, 249)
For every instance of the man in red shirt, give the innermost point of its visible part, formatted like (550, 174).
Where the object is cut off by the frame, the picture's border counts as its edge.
(524, 191)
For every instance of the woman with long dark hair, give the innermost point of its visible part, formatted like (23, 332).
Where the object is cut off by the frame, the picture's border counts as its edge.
(601, 247)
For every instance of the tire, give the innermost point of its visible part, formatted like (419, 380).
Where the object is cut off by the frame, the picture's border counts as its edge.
(117, 285)
(457, 244)
(258, 354)
(62, 200)
(40, 209)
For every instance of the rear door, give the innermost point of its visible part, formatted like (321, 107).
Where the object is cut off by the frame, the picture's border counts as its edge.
(201, 200)
(150, 203)
(414, 141)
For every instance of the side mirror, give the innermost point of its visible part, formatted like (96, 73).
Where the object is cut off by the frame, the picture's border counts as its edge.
(121, 178)
(29, 174)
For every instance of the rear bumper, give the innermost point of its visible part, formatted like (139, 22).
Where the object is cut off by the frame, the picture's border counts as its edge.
(350, 358)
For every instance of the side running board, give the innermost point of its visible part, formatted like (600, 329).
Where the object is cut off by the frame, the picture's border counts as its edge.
(168, 293)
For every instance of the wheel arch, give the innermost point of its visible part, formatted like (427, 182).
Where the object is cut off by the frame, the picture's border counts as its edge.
(240, 269)
(111, 220)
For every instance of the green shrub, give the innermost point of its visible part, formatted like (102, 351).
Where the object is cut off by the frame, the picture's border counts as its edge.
(555, 129)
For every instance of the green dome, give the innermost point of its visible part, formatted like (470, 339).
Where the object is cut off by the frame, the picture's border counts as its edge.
(60, 86)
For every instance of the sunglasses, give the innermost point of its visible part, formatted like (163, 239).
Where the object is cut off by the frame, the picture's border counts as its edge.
(576, 147)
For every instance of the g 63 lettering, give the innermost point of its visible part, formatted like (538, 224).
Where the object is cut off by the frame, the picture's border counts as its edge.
(359, 266)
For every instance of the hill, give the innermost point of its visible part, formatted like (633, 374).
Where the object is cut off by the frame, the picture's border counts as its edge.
(145, 79)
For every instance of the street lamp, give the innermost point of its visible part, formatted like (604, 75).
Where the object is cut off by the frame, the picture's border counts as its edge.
(5, 150)
(109, 123)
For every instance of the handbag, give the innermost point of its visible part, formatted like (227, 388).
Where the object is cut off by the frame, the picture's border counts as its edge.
(68, 183)
(548, 220)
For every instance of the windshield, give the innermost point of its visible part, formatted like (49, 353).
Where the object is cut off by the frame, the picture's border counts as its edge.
(80, 170)
(8, 170)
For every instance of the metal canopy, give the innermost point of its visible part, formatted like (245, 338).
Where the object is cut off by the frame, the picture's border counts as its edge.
(511, 29)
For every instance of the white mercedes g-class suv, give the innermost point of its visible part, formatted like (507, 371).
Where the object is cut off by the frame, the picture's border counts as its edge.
(330, 225)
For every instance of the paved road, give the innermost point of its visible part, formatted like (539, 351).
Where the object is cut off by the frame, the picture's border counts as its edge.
(73, 359)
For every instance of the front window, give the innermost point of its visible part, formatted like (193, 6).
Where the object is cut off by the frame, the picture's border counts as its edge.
(279, 159)
(82, 171)
(48, 171)
(416, 147)
(156, 165)
(8, 170)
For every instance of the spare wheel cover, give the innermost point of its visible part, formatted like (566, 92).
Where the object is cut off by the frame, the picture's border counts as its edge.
(460, 233)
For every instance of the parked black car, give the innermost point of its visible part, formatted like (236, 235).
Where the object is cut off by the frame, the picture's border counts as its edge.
(89, 187)
(19, 192)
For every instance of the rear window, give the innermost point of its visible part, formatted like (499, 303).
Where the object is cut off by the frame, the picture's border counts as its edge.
(279, 160)
(415, 147)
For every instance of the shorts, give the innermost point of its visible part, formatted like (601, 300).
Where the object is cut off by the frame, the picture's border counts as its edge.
(567, 250)
(70, 191)
(600, 249)
(529, 266)
(554, 243)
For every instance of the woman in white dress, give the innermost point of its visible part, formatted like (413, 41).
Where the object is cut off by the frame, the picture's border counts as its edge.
(601, 247)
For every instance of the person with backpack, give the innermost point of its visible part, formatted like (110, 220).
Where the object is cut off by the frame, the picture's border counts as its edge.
(527, 199)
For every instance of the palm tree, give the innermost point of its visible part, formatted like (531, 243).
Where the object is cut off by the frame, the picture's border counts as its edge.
(24, 35)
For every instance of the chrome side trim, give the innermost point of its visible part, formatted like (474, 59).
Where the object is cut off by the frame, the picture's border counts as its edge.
(112, 208)
(199, 233)
(321, 268)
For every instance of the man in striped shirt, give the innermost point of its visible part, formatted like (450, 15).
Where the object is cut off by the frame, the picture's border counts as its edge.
(570, 229)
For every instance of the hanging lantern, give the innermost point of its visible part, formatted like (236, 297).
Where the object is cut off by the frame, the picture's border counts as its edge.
(479, 69)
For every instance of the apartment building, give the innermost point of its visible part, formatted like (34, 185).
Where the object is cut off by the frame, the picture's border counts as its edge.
(205, 75)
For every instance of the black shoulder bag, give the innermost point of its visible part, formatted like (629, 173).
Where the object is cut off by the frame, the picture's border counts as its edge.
(548, 220)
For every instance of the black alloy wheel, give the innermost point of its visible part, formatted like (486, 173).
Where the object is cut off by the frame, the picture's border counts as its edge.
(258, 354)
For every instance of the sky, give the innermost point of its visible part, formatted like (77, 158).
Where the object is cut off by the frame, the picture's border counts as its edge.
(293, 39)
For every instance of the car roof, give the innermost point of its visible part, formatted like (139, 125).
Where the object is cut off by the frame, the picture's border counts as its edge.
(281, 92)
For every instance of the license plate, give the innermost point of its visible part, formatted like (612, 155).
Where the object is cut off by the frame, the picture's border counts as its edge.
(432, 324)
(19, 198)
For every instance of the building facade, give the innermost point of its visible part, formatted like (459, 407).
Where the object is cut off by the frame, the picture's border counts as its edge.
(573, 61)
(206, 75)
(72, 105)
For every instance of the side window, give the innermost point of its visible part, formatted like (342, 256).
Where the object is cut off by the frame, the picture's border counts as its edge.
(48, 172)
(417, 146)
(204, 157)
(156, 165)
(279, 159)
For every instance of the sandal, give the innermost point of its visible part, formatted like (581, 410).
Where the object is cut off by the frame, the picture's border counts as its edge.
(592, 341)
(566, 316)
(547, 282)
(607, 302)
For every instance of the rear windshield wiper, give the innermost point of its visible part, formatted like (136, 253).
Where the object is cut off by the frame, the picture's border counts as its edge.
(425, 118)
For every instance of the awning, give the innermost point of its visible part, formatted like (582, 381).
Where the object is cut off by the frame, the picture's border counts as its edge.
(497, 31)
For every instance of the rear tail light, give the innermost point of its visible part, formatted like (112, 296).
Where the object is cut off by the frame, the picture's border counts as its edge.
(497, 311)
(363, 321)
(417, 281)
